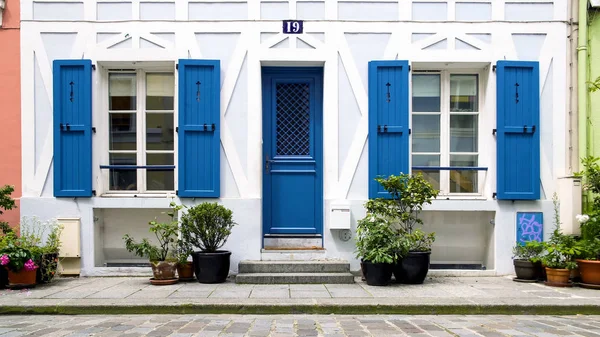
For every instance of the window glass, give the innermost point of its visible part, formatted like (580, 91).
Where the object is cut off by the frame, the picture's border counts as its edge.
(433, 176)
(159, 131)
(123, 179)
(160, 90)
(122, 134)
(426, 93)
(426, 133)
(160, 180)
(463, 181)
(463, 133)
(463, 93)
(122, 92)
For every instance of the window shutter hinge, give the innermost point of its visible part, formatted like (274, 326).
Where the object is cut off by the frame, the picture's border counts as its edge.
(177, 67)
(176, 192)
(94, 192)
(176, 129)
(494, 68)
(409, 68)
(409, 131)
(93, 67)
(494, 132)
(494, 195)
(93, 129)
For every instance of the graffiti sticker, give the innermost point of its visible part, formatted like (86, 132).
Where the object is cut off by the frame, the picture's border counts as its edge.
(530, 227)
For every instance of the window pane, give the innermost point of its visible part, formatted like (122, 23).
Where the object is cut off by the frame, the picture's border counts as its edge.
(426, 93)
(122, 131)
(463, 181)
(433, 176)
(163, 180)
(159, 131)
(160, 89)
(123, 179)
(463, 93)
(121, 92)
(463, 133)
(426, 133)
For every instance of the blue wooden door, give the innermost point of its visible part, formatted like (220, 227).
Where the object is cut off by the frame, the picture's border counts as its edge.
(292, 150)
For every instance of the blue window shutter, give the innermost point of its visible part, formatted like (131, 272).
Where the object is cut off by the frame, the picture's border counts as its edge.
(72, 128)
(388, 122)
(199, 128)
(518, 130)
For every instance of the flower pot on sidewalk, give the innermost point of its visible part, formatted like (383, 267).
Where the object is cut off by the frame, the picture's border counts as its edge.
(589, 271)
(557, 277)
(22, 279)
(185, 271)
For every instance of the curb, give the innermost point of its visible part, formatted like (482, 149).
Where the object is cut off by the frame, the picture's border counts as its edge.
(304, 309)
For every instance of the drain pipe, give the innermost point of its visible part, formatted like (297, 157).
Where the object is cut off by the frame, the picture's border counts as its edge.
(582, 79)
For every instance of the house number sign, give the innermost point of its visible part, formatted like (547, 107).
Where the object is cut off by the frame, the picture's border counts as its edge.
(293, 26)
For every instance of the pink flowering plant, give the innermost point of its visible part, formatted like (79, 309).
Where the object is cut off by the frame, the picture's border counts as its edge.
(15, 257)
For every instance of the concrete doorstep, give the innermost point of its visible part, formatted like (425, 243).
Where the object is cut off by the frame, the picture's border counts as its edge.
(438, 295)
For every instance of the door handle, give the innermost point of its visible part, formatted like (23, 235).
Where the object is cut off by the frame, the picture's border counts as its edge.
(267, 162)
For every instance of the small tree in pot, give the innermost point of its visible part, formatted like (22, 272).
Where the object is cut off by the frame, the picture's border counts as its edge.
(208, 226)
(408, 193)
(162, 257)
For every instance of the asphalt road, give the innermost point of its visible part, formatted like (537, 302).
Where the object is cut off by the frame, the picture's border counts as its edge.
(298, 325)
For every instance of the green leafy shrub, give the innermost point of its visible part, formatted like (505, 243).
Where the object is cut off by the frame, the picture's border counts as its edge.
(531, 251)
(166, 235)
(207, 226)
(561, 249)
(377, 241)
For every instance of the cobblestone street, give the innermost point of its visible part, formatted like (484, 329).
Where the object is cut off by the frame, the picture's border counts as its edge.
(299, 325)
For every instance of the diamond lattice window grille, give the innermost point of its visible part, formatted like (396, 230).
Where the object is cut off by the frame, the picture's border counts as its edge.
(293, 119)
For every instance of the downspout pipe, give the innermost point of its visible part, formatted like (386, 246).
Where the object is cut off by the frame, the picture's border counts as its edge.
(582, 79)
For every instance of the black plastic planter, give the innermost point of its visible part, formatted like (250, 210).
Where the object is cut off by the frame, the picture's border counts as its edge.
(211, 267)
(378, 274)
(413, 268)
(3, 277)
(525, 270)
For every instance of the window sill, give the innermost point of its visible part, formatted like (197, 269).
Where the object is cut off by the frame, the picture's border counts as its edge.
(139, 195)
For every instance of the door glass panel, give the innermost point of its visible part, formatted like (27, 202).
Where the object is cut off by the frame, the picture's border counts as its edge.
(426, 93)
(121, 92)
(293, 119)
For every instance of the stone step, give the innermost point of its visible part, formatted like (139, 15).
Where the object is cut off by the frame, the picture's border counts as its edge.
(250, 266)
(292, 255)
(279, 242)
(295, 278)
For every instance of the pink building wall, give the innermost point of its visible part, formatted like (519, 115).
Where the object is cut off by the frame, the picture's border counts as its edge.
(10, 104)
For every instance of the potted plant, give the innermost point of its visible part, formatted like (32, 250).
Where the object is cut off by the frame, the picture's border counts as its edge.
(588, 262)
(561, 251)
(527, 260)
(6, 203)
(377, 246)
(49, 255)
(19, 262)
(207, 226)
(408, 194)
(161, 256)
(185, 268)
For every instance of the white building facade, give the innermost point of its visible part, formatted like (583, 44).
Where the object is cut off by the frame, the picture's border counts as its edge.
(214, 101)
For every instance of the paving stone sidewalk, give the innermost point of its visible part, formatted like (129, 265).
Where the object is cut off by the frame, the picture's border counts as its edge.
(299, 325)
(437, 294)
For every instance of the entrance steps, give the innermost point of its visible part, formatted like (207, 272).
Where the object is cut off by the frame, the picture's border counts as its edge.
(294, 272)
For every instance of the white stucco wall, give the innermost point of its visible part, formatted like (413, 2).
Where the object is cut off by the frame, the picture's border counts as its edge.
(342, 36)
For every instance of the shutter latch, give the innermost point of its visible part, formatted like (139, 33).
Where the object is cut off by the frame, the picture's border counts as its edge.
(533, 129)
(494, 195)
(494, 132)
(213, 126)
(93, 129)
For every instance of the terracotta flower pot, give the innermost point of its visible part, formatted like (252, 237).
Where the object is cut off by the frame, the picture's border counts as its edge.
(22, 278)
(557, 277)
(164, 270)
(185, 271)
(589, 271)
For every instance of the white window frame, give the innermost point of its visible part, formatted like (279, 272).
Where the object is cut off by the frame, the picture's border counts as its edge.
(141, 151)
(445, 114)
